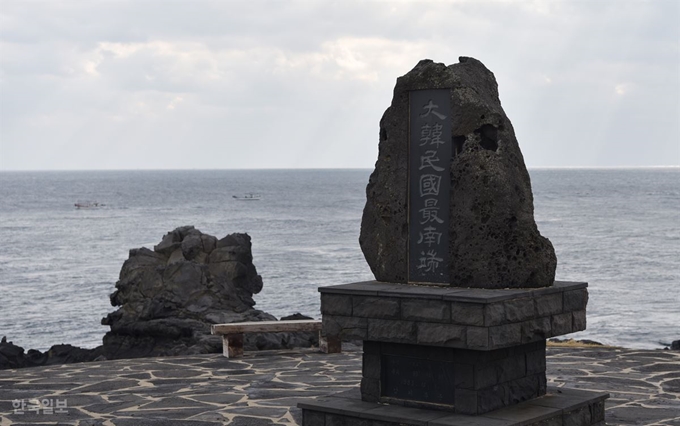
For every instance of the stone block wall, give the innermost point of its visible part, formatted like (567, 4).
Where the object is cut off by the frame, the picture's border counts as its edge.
(459, 380)
(466, 319)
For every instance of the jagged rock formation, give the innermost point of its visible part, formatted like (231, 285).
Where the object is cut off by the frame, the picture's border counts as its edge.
(13, 356)
(493, 238)
(169, 297)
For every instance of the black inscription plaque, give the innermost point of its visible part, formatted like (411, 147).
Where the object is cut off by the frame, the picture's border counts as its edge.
(417, 379)
(429, 184)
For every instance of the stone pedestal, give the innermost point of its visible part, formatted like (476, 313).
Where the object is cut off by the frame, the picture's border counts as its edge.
(468, 296)
(457, 380)
(465, 352)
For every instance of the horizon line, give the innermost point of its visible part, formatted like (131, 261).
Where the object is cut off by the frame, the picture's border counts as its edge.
(675, 166)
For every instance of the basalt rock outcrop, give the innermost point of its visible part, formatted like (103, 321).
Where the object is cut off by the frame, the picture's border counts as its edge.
(493, 238)
(13, 356)
(169, 298)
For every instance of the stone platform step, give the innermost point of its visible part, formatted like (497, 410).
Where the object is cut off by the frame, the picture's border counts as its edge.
(560, 406)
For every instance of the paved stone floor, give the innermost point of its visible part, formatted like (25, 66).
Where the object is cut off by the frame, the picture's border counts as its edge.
(263, 388)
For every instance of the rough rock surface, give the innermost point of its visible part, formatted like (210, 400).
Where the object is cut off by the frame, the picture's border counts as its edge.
(494, 241)
(13, 356)
(170, 296)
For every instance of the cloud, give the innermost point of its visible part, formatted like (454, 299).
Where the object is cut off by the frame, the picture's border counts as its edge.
(621, 89)
(314, 78)
(173, 103)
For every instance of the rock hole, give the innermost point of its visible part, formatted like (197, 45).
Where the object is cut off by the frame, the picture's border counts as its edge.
(383, 134)
(489, 137)
(457, 142)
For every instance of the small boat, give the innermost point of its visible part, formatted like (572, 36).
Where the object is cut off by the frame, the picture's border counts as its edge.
(247, 197)
(87, 205)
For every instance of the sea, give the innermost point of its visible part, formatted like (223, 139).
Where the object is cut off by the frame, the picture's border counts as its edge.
(617, 229)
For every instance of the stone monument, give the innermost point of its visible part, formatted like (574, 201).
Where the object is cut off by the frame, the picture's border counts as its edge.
(455, 325)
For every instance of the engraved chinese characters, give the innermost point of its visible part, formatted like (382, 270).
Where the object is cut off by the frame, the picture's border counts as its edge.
(429, 185)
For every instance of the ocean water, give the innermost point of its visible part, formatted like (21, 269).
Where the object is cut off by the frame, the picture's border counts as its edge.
(618, 229)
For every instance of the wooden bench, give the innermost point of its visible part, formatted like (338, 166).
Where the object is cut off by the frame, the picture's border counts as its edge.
(232, 334)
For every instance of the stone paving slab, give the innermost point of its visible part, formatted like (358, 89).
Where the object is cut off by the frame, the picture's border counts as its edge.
(263, 388)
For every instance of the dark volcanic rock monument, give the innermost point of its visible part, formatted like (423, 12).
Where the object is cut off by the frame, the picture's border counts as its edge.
(493, 241)
(449, 206)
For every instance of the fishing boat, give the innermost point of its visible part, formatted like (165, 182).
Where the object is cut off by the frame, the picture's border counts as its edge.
(247, 197)
(87, 204)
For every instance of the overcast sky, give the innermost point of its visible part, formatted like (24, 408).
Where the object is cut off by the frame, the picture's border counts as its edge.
(273, 84)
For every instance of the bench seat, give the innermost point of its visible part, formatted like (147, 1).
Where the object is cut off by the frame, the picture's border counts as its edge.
(233, 333)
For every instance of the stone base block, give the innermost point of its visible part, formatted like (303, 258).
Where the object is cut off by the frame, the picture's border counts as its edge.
(457, 380)
(476, 319)
(558, 407)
